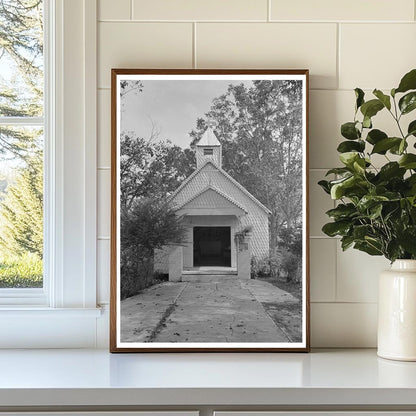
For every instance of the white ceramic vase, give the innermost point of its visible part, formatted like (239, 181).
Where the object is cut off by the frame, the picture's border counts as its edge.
(397, 312)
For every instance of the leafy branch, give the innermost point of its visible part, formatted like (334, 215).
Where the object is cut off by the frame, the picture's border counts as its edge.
(376, 212)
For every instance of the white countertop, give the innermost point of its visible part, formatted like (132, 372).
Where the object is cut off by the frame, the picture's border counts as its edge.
(96, 377)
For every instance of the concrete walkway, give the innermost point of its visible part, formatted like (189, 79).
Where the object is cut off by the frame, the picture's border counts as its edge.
(219, 310)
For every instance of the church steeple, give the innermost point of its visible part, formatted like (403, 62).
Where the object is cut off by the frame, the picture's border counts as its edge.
(208, 147)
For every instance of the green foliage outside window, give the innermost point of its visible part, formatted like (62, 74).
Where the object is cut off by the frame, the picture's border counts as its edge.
(21, 146)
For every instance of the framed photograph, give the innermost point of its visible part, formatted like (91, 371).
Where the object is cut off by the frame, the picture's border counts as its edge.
(209, 211)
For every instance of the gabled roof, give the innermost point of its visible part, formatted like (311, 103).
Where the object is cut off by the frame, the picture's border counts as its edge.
(230, 178)
(212, 188)
(208, 138)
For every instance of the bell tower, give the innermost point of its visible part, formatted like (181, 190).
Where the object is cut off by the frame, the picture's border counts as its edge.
(208, 147)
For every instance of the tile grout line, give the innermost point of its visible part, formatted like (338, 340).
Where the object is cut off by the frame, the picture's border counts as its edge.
(346, 302)
(194, 63)
(269, 10)
(131, 9)
(308, 22)
(336, 271)
(338, 63)
(310, 89)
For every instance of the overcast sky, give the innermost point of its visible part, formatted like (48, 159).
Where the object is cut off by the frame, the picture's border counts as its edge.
(172, 106)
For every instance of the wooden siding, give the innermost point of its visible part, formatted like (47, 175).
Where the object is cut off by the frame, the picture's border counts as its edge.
(209, 175)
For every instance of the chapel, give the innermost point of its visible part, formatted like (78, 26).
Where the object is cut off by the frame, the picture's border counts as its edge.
(225, 224)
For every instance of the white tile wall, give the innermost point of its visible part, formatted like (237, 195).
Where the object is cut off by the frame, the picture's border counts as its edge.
(357, 275)
(343, 325)
(376, 55)
(368, 10)
(142, 45)
(114, 10)
(270, 45)
(323, 268)
(200, 10)
(345, 44)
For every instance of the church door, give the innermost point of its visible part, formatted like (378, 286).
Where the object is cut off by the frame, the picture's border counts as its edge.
(212, 246)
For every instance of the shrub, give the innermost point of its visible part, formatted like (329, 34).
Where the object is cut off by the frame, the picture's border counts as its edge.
(148, 225)
(260, 267)
(290, 263)
(25, 271)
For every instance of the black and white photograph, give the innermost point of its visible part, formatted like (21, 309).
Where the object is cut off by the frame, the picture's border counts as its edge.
(209, 210)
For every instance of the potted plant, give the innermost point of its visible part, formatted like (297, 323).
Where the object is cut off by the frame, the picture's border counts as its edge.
(243, 235)
(376, 209)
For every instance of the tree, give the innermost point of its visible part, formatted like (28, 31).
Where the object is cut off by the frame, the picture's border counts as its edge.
(260, 128)
(147, 225)
(21, 92)
(21, 212)
(21, 95)
(151, 169)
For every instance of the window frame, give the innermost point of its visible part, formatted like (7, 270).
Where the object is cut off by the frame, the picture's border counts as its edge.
(65, 313)
(38, 296)
(208, 151)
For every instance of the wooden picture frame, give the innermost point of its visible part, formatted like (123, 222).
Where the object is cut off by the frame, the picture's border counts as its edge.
(209, 230)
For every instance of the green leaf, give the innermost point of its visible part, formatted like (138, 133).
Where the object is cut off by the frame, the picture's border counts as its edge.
(400, 148)
(375, 136)
(342, 211)
(359, 165)
(336, 228)
(371, 108)
(338, 171)
(385, 99)
(349, 146)
(338, 189)
(369, 201)
(348, 158)
(391, 170)
(375, 212)
(411, 130)
(385, 144)
(359, 95)
(367, 122)
(408, 82)
(407, 240)
(346, 242)
(408, 161)
(368, 248)
(408, 102)
(325, 186)
(393, 250)
(349, 131)
(361, 231)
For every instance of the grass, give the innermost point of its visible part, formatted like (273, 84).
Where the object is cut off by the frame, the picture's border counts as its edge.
(293, 288)
(25, 271)
(287, 316)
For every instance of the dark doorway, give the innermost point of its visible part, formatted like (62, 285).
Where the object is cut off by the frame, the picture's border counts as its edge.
(212, 246)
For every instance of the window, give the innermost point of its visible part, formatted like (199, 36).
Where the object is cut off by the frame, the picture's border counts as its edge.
(63, 313)
(22, 132)
(208, 152)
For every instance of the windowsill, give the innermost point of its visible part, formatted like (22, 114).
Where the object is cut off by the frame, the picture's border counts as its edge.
(59, 378)
(37, 311)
